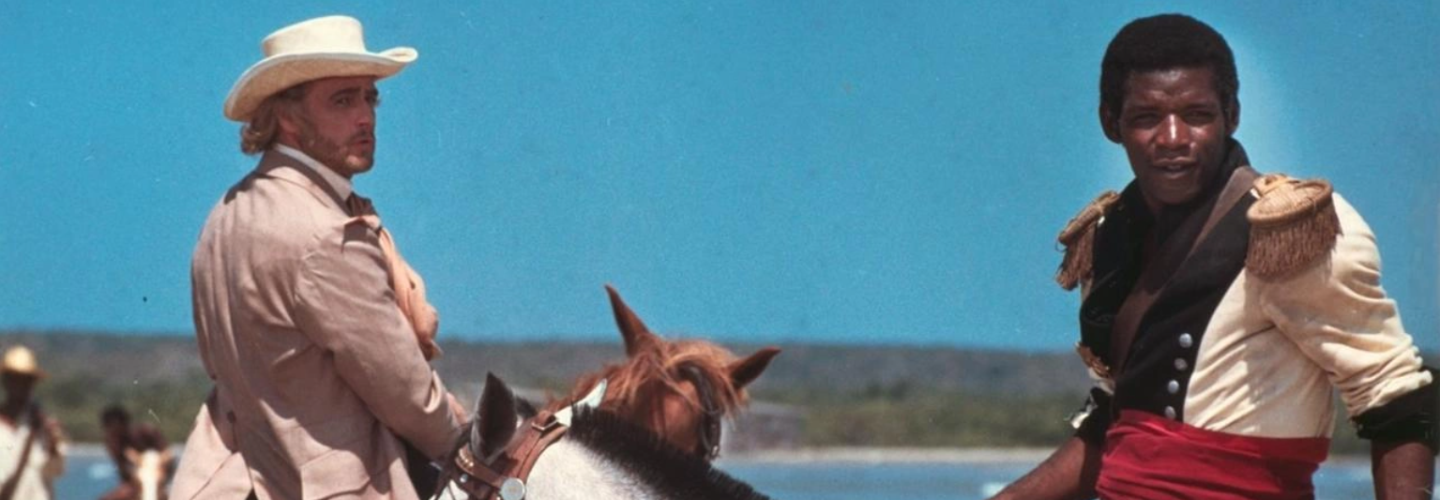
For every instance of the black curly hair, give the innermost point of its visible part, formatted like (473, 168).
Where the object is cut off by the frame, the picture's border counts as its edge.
(1163, 42)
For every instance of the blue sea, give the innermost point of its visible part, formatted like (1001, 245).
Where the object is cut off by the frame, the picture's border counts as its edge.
(958, 481)
(89, 474)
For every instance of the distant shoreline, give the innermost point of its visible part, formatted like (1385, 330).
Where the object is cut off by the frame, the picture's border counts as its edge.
(869, 455)
(880, 455)
(840, 455)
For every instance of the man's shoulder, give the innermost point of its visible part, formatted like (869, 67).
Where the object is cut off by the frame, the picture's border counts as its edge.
(1294, 225)
(1078, 239)
(271, 211)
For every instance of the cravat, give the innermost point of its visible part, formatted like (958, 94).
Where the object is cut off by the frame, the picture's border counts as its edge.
(359, 205)
(409, 288)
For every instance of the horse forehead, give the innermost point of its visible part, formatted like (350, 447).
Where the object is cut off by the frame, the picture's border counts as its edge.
(148, 457)
(151, 464)
(678, 406)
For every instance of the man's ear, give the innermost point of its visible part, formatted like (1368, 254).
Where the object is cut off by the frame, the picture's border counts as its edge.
(1110, 124)
(288, 123)
(1233, 118)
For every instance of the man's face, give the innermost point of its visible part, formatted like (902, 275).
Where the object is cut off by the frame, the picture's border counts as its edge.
(336, 123)
(1173, 127)
(18, 387)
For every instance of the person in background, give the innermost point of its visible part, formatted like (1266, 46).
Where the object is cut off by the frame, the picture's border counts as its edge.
(1222, 309)
(32, 444)
(115, 424)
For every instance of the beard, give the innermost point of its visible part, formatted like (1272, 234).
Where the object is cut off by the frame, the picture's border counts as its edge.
(332, 154)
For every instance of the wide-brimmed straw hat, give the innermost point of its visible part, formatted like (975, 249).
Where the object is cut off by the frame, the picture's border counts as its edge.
(310, 50)
(19, 360)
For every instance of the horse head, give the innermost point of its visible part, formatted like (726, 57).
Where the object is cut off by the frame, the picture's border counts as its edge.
(655, 417)
(602, 456)
(681, 390)
(151, 462)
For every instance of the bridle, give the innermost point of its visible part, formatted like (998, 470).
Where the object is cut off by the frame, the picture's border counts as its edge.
(711, 412)
(504, 478)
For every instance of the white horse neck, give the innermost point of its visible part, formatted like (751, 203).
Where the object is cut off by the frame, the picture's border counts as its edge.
(569, 471)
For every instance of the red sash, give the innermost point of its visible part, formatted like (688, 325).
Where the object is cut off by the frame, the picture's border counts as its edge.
(1149, 457)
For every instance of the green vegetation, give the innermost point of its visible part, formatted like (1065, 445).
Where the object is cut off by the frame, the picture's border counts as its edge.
(902, 417)
(844, 395)
(77, 400)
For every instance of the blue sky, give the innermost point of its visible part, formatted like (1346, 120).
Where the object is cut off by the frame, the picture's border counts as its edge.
(751, 171)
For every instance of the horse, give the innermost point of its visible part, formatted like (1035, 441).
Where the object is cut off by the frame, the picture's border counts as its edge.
(647, 428)
(681, 390)
(151, 463)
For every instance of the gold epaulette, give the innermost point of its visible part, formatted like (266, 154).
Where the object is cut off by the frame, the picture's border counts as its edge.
(1292, 225)
(1078, 237)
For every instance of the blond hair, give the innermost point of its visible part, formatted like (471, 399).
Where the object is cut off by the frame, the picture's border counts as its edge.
(264, 127)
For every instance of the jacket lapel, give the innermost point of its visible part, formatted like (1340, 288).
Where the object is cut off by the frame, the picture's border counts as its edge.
(1196, 259)
(1116, 309)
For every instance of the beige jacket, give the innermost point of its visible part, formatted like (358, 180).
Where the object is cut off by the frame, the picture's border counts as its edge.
(316, 369)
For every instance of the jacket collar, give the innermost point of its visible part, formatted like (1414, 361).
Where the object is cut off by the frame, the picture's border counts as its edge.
(280, 166)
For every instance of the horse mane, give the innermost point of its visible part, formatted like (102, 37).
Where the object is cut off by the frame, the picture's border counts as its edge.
(655, 462)
(628, 381)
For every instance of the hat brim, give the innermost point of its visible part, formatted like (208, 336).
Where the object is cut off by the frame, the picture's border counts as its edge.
(35, 372)
(278, 73)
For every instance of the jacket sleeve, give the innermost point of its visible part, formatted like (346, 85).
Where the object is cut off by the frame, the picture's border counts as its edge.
(1093, 420)
(345, 304)
(1337, 314)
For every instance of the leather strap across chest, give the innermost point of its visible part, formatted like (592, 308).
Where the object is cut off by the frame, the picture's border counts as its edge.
(1144, 294)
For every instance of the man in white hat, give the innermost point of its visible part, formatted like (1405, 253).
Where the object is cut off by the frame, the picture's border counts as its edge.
(32, 446)
(316, 333)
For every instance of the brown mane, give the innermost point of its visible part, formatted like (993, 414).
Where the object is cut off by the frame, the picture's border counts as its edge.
(680, 390)
(629, 383)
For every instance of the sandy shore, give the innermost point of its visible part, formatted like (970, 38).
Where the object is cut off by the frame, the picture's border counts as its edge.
(862, 455)
(854, 455)
(858, 455)
(893, 455)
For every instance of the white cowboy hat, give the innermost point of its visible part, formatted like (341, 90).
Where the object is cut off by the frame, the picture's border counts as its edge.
(20, 360)
(310, 50)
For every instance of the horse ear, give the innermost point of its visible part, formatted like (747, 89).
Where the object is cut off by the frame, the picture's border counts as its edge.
(745, 371)
(637, 337)
(495, 420)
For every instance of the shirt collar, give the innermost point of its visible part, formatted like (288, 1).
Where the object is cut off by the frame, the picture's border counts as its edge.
(339, 183)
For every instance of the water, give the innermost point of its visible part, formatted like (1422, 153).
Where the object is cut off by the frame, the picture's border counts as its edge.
(959, 481)
(88, 475)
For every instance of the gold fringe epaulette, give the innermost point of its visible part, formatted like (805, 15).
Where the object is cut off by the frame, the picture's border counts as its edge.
(1078, 237)
(1292, 225)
